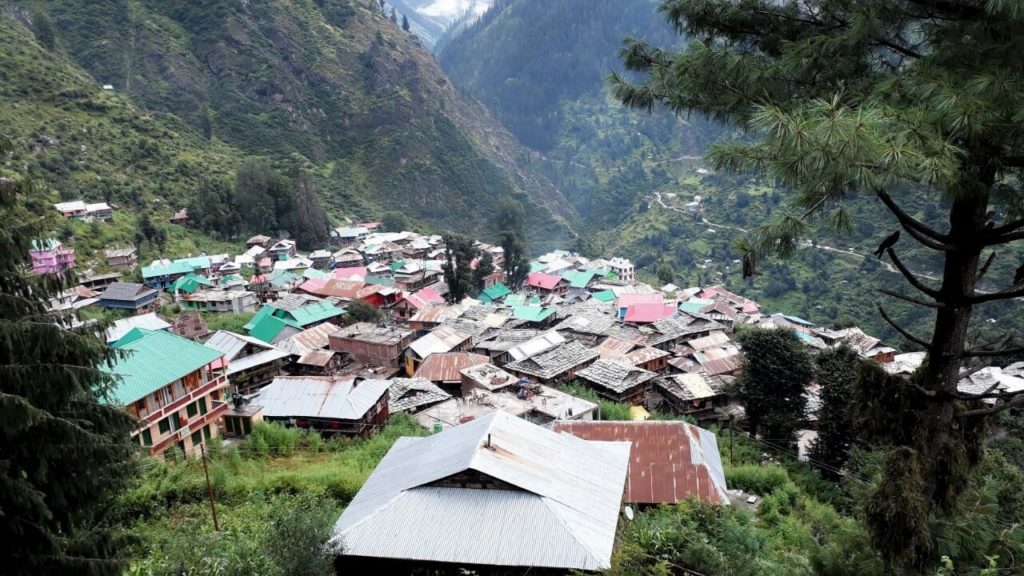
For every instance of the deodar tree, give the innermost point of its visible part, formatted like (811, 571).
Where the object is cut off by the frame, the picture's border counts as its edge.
(879, 98)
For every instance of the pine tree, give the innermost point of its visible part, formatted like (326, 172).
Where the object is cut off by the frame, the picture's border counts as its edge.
(874, 98)
(310, 224)
(64, 454)
(394, 16)
(405, 23)
(771, 386)
(459, 254)
(484, 268)
(510, 222)
(836, 373)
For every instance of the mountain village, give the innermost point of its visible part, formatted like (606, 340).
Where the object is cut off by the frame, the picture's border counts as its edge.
(520, 470)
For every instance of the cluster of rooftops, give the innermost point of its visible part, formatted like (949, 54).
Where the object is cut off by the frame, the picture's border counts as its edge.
(521, 469)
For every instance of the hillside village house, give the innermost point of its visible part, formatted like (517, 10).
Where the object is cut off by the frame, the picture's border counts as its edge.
(545, 284)
(560, 364)
(189, 325)
(252, 363)
(330, 405)
(49, 256)
(180, 217)
(371, 344)
(173, 386)
(622, 268)
(127, 296)
(617, 381)
(73, 209)
(99, 211)
(282, 250)
(495, 495)
(122, 258)
(259, 240)
(443, 339)
(162, 274)
(228, 301)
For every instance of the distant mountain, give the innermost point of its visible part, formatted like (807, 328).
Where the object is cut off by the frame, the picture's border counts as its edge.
(540, 67)
(333, 84)
(430, 19)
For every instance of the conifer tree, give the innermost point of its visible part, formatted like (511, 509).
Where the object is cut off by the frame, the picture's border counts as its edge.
(484, 268)
(776, 372)
(405, 23)
(459, 254)
(836, 373)
(510, 221)
(63, 453)
(875, 98)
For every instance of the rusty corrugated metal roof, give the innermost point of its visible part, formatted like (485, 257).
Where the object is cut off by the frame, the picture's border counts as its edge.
(446, 367)
(668, 461)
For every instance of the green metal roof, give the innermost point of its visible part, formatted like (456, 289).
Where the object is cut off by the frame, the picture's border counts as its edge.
(282, 278)
(531, 313)
(309, 273)
(314, 312)
(176, 267)
(260, 315)
(44, 244)
(604, 296)
(578, 278)
(195, 261)
(497, 291)
(397, 265)
(189, 283)
(268, 327)
(153, 360)
(537, 267)
(379, 280)
(515, 299)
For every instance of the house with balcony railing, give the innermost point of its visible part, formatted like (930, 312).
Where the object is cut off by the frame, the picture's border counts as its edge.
(174, 388)
(49, 256)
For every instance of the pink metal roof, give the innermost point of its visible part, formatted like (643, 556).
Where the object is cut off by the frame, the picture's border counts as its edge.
(668, 462)
(425, 297)
(353, 273)
(312, 286)
(446, 367)
(648, 313)
(542, 280)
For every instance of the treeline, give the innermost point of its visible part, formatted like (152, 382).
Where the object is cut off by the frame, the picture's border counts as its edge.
(261, 200)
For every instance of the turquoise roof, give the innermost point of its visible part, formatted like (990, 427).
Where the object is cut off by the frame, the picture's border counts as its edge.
(310, 273)
(152, 360)
(515, 299)
(260, 315)
(176, 267)
(379, 280)
(189, 283)
(531, 313)
(579, 279)
(798, 320)
(604, 296)
(44, 244)
(692, 307)
(268, 328)
(497, 291)
(537, 267)
(311, 313)
(282, 278)
(195, 262)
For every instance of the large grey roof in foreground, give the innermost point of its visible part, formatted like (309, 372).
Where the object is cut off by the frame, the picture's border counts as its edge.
(563, 515)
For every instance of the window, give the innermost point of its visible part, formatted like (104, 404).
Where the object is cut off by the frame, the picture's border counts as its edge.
(178, 389)
(175, 421)
(197, 438)
(147, 437)
(192, 409)
(165, 396)
(206, 432)
(165, 426)
(202, 405)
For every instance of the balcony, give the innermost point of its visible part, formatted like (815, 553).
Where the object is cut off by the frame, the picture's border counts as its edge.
(214, 384)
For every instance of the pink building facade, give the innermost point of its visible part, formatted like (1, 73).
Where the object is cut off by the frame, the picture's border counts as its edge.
(51, 257)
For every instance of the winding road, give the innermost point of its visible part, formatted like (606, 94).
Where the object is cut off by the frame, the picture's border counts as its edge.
(808, 244)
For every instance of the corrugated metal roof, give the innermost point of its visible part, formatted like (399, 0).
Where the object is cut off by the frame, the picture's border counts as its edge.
(668, 461)
(409, 393)
(148, 321)
(564, 514)
(537, 345)
(154, 360)
(318, 358)
(445, 367)
(442, 339)
(231, 344)
(313, 338)
(324, 397)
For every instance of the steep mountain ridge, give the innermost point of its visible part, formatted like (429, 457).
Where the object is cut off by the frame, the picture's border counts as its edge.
(540, 68)
(333, 83)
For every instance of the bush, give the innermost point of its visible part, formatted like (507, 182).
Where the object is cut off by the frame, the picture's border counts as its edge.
(762, 480)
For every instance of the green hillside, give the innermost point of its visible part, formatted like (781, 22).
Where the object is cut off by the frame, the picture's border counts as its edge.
(331, 86)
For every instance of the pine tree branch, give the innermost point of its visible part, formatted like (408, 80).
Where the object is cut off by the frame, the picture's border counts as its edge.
(903, 331)
(995, 240)
(1008, 227)
(992, 353)
(1017, 400)
(1007, 294)
(910, 299)
(914, 281)
(906, 220)
(985, 267)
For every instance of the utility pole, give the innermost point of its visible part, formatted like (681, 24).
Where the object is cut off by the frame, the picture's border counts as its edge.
(730, 442)
(209, 488)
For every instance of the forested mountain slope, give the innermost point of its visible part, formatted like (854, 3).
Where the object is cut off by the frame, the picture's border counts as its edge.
(332, 85)
(540, 67)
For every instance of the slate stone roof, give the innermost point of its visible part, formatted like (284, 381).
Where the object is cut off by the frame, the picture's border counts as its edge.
(615, 376)
(554, 362)
(411, 393)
